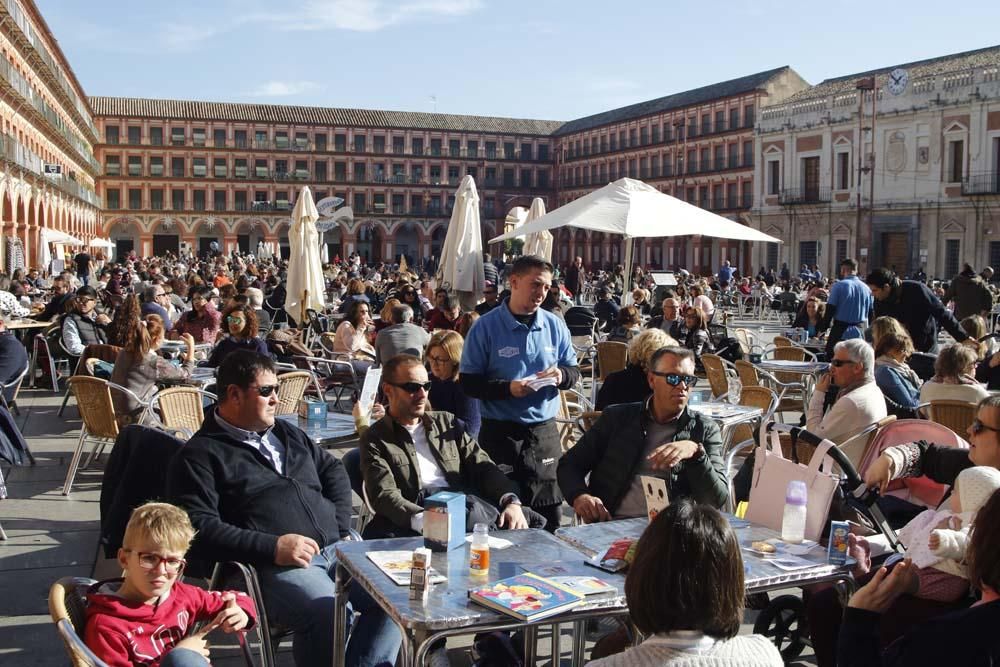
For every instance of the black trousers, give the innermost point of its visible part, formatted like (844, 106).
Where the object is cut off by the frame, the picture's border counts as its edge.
(837, 330)
(529, 455)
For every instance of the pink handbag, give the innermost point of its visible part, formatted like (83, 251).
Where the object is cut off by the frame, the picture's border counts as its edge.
(771, 474)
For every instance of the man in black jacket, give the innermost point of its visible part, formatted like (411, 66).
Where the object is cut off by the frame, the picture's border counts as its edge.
(57, 304)
(916, 308)
(658, 438)
(259, 491)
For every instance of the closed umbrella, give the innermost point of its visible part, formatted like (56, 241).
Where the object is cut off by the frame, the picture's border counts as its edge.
(305, 287)
(538, 243)
(461, 267)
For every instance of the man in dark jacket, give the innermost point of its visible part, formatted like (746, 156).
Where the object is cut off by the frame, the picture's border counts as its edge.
(446, 457)
(916, 308)
(259, 491)
(970, 294)
(57, 304)
(658, 438)
(576, 275)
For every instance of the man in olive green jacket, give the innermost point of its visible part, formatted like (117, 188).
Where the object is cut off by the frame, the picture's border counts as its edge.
(412, 452)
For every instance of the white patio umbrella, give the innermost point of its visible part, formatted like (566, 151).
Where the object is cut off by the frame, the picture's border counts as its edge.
(538, 243)
(460, 269)
(48, 236)
(634, 210)
(305, 288)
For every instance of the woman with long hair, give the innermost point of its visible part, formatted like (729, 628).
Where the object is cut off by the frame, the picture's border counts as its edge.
(125, 320)
(139, 366)
(385, 315)
(241, 327)
(810, 317)
(203, 320)
(352, 338)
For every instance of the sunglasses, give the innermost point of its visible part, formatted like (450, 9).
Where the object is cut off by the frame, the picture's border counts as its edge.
(148, 561)
(674, 379)
(232, 319)
(841, 362)
(265, 390)
(411, 387)
(978, 427)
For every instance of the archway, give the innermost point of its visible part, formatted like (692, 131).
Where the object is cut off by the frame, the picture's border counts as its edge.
(125, 235)
(206, 232)
(437, 240)
(248, 234)
(407, 243)
(284, 250)
(370, 242)
(166, 238)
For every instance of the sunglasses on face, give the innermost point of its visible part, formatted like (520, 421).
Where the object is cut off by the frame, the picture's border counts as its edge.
(235, 320)
(411, 387)
(264, 390)
(978, 427)
(148, 561)
(837, 363)
(674, 379)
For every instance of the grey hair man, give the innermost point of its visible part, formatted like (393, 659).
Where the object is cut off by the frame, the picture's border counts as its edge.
(858, 401)
(255, 298)
(400, 337)
(155, 302)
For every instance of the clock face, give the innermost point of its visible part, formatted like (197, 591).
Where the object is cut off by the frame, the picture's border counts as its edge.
(898, 78)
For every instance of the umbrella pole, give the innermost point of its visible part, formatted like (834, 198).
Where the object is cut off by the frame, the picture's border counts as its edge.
(626, 292)
(302, 307)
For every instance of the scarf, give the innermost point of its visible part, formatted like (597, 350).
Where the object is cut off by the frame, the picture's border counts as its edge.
(901, 368)
(846, 389)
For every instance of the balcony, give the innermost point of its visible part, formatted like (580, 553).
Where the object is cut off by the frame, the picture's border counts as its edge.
(987, 183)
(11, 150)
(804, 195)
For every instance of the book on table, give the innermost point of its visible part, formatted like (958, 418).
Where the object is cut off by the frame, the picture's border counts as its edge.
(584, 585)
(527, 597)
(397, 564)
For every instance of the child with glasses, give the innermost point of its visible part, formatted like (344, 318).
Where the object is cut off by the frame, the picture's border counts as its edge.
(149, 616)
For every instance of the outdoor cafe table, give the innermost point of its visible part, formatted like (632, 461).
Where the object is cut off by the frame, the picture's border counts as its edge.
(760, 575)
(336, 431)
(808, 370)
(727, 416)
(448, 610)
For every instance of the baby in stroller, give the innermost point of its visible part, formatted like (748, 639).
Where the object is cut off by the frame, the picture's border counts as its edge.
(936, 539)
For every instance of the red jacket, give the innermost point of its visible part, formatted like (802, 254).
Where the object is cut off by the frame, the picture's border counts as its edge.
(127, 633)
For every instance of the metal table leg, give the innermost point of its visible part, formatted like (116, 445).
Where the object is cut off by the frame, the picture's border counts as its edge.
(341, 580)
(579, 642)
(530, 644)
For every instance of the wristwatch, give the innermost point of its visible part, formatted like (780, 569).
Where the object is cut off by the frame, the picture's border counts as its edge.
(509, 498)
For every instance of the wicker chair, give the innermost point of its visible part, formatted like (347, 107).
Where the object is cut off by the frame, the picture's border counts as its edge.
(572, 406)
(751, 376)
(93, 396)
(781, 341)
(91, 353)
(956, 415)
(755, 397)
(718, 374)
(291, 388)
(181, 409)
(611, 357)
(68, 609)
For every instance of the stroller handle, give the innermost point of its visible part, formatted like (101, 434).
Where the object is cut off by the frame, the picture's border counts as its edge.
(853, 479)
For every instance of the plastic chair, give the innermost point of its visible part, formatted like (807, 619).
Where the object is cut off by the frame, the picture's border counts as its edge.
(611, 357)
(42, 344)
(181, 409)
(100, 423)
(956, 415)
(68, 609)
(329, 374)
(291, 388)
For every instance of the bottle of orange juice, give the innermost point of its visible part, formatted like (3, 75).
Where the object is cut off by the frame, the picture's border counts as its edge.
(479, 558)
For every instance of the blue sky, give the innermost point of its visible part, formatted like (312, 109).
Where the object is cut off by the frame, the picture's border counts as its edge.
(547, 59)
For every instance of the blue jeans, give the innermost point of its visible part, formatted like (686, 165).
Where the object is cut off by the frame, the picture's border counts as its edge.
(303, 599)
(183, 657)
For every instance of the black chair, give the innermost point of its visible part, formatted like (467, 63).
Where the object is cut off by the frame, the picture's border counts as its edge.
(580, 320)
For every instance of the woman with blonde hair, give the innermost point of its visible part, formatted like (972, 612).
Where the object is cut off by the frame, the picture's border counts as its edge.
(885, 324)
(385, 315)
(631, 384)
(954, 377)
(444, 353)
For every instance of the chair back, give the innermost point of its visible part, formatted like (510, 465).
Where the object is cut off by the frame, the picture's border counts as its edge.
(922, 364)
(291, 388)
(715, 369)
(856, 447)
(745, 339)
(181, 408)
(754, 397)
(611, 357)
(97, 351)
(93, 397)
(781, 341)
(68, 609)
(956, 415)
(749, 377)
(790, 353)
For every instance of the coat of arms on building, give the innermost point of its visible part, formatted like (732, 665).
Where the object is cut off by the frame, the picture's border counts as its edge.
(895, 153)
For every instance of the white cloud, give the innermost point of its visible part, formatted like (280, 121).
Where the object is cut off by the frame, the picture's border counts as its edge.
(177, 37)
(366, 15)
(284, 88)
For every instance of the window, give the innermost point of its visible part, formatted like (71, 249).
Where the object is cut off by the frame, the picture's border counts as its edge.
(435, 174)
(113, 198)
(952, 257)
(319, 167)
(435, 147)
(747, 196)
(720, 121)
(134, 135)
(472, 149)
(240, 168)
(843, 175)
(111, 134)
(454, 148)
(260, 139)
(734, 118)
(113, 165)
(732, 195)
(491, 150)
(359, 143)
(199, 200)
(219, 200)
(542, 176)
(320, 139)
(240, 200)
(260, 168)
(219, 138)
(135, 198)
(177, 136)
(219, 167)
(508, 150)
(631, 138)
(359, 172)
(643, 136)
(525, 178)
(340, 143)
(198, 136)
(773, 177)
(807, 252)
(378, 202)
(526, 150)
(706, 124)
(156, 199)
(719, 157)
(508, 178)
(840, 251)
(956, 164)
(748, 153)
(543, 152)
(656, 133)
(359, 202)
(453, 177)
(177, 167)
(417, 146)
(398, 204)
(772, 255)
(177, 200)
(302, 169)
(491, 176)
(240, 138)
(379, 141)
(302, 141)
(748, 116)
(156, 136)
(340, 171)
(134, 165)
(156, 166)
(199, 167)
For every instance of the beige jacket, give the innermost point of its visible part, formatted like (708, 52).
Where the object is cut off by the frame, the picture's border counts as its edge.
(850, 413)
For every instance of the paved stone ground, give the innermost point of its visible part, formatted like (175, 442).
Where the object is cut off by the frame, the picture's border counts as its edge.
(52, 536)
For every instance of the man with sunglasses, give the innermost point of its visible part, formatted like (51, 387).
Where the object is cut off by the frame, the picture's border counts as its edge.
(490, 300)
(446, 458)
(155, 302)
(858, 402)
(659, 438)
(259, 491)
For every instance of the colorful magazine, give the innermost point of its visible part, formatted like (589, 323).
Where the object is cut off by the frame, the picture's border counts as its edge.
(584, 585)
(527, 597)
(397, 564)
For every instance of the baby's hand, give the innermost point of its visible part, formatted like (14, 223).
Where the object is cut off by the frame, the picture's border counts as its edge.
(934, 541)
(956, 523)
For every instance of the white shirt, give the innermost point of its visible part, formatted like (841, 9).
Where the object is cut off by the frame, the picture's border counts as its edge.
(430, 473)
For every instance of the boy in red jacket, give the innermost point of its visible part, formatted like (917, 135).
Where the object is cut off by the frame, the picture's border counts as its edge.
(147, 618)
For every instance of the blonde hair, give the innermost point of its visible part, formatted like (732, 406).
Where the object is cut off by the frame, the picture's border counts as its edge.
(162, 524)
(644, 344)
(386, 312)
(975, 326)
(885, 324)
(451, 342)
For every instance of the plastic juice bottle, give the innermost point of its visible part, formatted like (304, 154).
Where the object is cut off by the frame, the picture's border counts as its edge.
(479, 558)
(793, 522)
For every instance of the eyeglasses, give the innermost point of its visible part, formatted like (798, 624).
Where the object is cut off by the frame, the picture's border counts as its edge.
(233, 319)
(674, 379)
(978, 427)
(411, 387)
(148, 561)
(439, 360)
(841, 362)
(264, 390)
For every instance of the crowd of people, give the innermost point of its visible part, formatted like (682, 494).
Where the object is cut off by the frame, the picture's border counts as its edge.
(468, 401)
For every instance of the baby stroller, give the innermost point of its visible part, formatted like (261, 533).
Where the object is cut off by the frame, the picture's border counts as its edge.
(783, 620)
